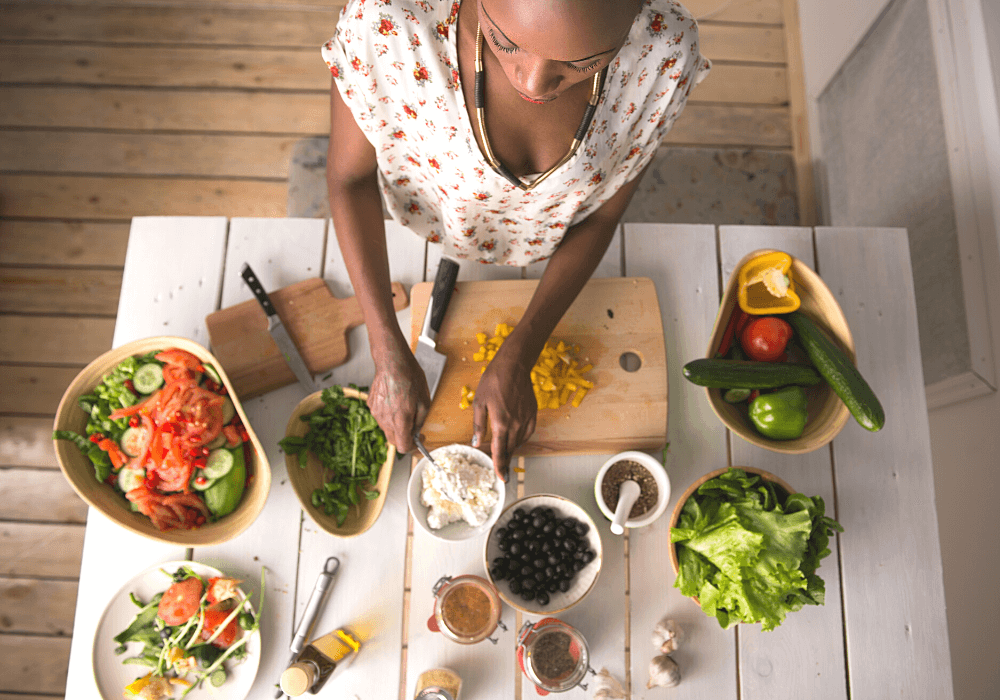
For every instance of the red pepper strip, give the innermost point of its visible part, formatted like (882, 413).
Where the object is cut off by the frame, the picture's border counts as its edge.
(156, 446)
(126, 411)
(727, 336)
(118, 458)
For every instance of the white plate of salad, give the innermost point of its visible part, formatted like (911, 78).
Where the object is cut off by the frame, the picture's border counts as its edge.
(179, 629)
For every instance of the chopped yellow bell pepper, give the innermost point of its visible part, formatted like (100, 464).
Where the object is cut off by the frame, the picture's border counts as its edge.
(766, 285)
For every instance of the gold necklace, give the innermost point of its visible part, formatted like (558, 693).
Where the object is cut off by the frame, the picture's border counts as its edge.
(500, 168)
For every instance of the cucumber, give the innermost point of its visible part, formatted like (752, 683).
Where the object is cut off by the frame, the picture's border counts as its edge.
(742, 374)
(133, 440)
(212, 373)
(839, 372)
(129, 478)
(224, 495)
(228, 410)
(219, 463)
(202, 487)
(148, 378)
(736, 395)
(219, 441)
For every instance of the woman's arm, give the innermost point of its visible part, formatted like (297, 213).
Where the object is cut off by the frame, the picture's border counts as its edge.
(398, 396)
(504, 396)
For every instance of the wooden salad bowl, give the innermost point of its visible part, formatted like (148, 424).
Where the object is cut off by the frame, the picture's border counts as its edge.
(306, 479)
(79, 471)
(676, 514)
(827, 413)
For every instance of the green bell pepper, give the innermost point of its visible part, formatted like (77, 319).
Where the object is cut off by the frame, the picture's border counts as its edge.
(780, 415)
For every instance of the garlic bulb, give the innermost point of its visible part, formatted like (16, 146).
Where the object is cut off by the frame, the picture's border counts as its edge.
(667, 636)
(663, 672)
(607, 687)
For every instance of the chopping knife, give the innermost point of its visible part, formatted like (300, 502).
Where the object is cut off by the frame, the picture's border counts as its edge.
(430, 360)
(278, 332)
(313, 607)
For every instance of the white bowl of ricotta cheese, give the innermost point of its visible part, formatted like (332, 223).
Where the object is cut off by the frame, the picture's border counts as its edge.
(458, 497)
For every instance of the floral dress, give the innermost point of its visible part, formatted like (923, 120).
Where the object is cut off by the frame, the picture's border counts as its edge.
(395, 63)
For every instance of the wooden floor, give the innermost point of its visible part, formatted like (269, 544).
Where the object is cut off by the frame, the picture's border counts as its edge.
(109, 111)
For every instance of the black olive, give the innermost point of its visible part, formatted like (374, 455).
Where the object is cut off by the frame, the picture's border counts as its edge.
(516, 548)
(528, 584)
(581, 529)
(560, 568)
(546, 547)
(564, 585)
(570, 545)
(503, 545)
(578, 554)
(577, 565)
(498, 574)
(530, 531)
(527, 570)
(549, 513)
(526, 557)
(553, 560)
(542, 598)
(515, 586)
(537, 510)
(519, 513)
(548, 527)
(499, 561)
(517, 534)
(550, 571)
(527, 594)
(559, 532)
(501, 533)
(538, 563)
(534, 546)
(552, 586)
(588, 556)
(540, 577)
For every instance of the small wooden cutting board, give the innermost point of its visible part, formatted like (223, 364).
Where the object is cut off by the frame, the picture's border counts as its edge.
(316, 320)
(610, 318)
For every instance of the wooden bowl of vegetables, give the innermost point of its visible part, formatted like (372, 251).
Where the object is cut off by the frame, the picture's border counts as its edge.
(343, 490)
(128, 468)
(746, 547)
(826, 412)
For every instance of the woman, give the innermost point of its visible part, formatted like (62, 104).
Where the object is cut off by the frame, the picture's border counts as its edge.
(534, 156)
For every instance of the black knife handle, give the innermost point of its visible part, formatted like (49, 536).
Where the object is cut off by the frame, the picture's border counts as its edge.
(444, 285)
(258, 289)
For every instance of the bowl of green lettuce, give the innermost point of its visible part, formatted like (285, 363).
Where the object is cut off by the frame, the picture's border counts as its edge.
(745, 546)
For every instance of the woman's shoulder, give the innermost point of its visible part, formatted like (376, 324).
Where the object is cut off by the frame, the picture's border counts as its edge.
(395, 17)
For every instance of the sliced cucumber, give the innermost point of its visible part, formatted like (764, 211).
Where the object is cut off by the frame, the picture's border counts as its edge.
(203, 486)
(219, 463)
(217, 677)
(134, 440)
(219, 441)
(212, 373)
(228, 410)
(148, 378)
(130, 478)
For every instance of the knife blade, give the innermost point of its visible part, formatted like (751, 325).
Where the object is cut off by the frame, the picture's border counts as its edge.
(278, 331)
(430, 360)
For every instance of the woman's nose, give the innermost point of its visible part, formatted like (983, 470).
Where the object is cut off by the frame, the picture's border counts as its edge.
(537, 77)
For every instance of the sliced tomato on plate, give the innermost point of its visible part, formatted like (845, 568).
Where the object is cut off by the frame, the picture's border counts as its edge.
(180, 601)
(215, 615)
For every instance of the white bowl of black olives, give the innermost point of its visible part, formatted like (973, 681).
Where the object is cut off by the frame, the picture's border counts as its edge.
(543, 554)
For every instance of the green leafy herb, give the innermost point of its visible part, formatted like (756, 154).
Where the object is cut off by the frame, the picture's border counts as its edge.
(749, 552)
(345, 437)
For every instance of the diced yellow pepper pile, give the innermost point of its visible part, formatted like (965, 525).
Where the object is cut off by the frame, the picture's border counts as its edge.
(556, 377)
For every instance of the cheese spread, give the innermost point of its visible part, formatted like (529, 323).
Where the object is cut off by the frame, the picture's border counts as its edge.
(457, 489)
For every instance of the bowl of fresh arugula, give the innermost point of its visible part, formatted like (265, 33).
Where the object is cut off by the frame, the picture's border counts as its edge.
(338, 459)
(745, 546)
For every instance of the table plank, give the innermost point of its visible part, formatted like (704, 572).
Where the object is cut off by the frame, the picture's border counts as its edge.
(485, 669)
(805, 655)
(374, 562)
(171, 296)
(894, 607)
(681, 260)
(281, 252)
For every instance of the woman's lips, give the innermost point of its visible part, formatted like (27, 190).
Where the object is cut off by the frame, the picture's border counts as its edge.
(535, 100)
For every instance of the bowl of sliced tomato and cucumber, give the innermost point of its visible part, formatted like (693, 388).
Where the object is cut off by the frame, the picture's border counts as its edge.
(152, 435)
(787, 382)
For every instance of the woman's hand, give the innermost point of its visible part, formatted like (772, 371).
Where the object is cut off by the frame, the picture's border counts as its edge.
(506, 399)
(398, 397)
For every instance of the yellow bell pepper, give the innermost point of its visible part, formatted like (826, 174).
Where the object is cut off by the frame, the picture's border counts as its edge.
(766, 285)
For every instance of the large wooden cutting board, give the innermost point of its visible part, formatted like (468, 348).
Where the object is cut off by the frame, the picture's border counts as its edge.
(316, 320)
(611, 317)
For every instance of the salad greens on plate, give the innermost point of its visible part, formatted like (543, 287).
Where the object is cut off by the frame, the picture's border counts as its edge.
(748, 551)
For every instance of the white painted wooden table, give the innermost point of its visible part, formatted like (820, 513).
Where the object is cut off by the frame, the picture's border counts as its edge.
(882, 633)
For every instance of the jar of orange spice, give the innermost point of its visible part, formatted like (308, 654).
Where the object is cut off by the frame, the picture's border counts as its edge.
(466, 609)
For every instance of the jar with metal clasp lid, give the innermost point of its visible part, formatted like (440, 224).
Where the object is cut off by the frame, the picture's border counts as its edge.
(466, 609)
(553, 655)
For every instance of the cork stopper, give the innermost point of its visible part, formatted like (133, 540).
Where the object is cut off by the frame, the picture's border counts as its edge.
(297, 679)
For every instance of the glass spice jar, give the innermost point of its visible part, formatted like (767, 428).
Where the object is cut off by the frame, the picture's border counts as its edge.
(553, 655)
(438, 684)
(466, 609)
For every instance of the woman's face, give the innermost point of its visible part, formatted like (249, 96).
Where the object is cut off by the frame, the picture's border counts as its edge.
(547, 47)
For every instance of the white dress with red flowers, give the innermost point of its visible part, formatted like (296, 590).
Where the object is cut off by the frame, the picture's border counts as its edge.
(395, 63)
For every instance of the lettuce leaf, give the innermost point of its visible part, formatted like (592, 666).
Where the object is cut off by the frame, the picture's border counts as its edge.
(749, 552)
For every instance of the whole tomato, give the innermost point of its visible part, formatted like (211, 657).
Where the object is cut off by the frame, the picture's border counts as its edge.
(764, 339)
